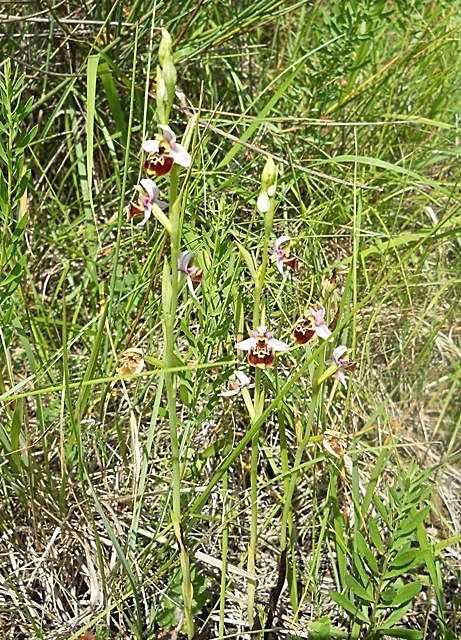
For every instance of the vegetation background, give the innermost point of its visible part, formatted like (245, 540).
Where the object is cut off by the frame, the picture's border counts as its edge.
(359, 104)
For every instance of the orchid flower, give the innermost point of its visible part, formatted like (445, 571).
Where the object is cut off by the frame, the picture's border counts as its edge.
(303, 331)
(235, 386)
(148, 196)
(131, 362)
(163, 151)
(193, 274)
(342, 364)
(282, 256)
(307, 328)
(261, 347)
(318, 316)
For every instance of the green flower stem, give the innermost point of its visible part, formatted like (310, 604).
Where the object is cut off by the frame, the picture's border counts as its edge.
(169, 317)
(225, 546)
(258, 307)
(258, 314)
(289, 488)
(251, 563)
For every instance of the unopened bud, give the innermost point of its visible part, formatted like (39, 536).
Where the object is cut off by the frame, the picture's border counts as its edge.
(165, 47)
(166, 78)
(162, 99)
(169, 77)
(263, 203)
(269, 177)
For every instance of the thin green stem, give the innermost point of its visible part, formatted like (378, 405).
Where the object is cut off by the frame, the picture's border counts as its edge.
(169, 317)
(251, 564)
(258, 315)
(225, 544)
(289, 487)
(259, 305)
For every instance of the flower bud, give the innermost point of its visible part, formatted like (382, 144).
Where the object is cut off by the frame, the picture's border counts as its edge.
(164, 50)
(162, 99)
(269, 177)
(169, 79)
(166, 78)
(263, 203)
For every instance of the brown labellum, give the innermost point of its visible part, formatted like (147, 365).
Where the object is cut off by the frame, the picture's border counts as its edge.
(292, 263)
(261, 355)
(303, 331)
(349, 366)
(134, 209)
(196, 276)
(157, 164)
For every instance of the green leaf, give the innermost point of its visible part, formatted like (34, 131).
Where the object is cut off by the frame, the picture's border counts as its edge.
(406, 593)
(411, 522)
(113, 99)
(405, 559)
(249, 260)
(360, 572)
(349, 606)
(400, 632)
(381, 164)
(366, 553)
(358, 589)
(448, 542)
(382, 510)
(375, 535)
(397, 614)
(92, 68)
(161, 217)
(322, 630)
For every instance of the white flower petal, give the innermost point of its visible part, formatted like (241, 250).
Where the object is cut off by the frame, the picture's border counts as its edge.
(242, 378)
(263, 203)
(245, 345)
(168, 134)
(150, 188)
(180, 155)
(280, 264)
(184, 260)
(338, 353)
(147, 212)
(278, 345)
(229, 393)
(342, 377)
(190, 284)
(151, 146)
(318, 314)
(323, 331)
(279, 241)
